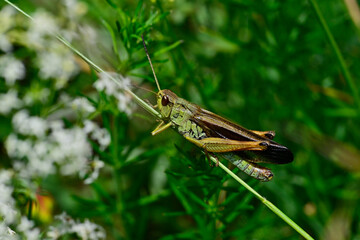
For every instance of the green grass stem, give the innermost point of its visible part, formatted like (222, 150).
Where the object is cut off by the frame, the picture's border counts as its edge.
(339, 56)
(267, 203)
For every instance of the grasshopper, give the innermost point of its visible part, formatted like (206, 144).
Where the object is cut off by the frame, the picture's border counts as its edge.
(218, 136)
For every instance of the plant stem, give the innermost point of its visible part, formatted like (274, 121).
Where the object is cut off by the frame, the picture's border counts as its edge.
(338, 54)
(272, 207)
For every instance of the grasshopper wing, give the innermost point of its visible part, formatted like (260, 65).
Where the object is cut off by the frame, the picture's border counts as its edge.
(217, 126)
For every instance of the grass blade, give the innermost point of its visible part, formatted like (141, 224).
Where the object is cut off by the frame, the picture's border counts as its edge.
(267, 203)
(338, 54)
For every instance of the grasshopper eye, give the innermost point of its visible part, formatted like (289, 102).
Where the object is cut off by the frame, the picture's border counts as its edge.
(165, 100)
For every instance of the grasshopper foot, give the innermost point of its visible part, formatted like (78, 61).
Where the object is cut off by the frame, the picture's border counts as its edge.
(209, 160)
(217, 159)
(270, 135)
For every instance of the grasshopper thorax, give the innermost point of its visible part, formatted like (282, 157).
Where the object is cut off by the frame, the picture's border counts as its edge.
(166, 99)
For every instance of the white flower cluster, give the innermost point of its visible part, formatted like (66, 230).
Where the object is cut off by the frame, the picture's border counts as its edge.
(26, 125)
(106, 83)
(57, 62)
(6, 18)
(83, 230)
(7, 203)
(11, 69)
(9, 101)
(28, 229)
(100, 135)
(54, 60)
(53, 146)
(37, 146)
(82, 105)
(7, 233)
(41, 27)
(25, 227)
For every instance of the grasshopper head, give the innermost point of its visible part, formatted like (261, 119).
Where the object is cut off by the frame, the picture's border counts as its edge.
(165, 101)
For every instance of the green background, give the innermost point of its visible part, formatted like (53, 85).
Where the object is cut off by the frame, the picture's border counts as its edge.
(267, 65)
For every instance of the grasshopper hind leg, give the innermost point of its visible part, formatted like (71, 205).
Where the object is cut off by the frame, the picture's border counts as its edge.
(266, 134)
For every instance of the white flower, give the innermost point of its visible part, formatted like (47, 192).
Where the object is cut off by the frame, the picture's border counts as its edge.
(56, 125)
(11, 145)
(68, 149)
(53, 233)
(9, 101)
(72, 167)
(104, 83)
(114, 84)
(55, 147)
(101, 135)
(94, 170)
(5, 193)
(8, 212)
(11, 232)
(20, 119)
(50, 65)
(27, 125)
(89, 126)
(58, 63)
(23, 148)
(33, 234)
(5, 176)
(37, 126)
(43, 25)
(6, 18)
(11, 69)
(26, 226)
(82, 105)
(38, 166)
(74, 8)
(65, 219)
(72, 150)
(5, 44)
(111, 83)
(6, 233)
(124, 103)
(7, 203)
(88, 230)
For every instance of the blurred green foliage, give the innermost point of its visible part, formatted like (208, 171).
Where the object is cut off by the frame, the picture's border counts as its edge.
(267, 65)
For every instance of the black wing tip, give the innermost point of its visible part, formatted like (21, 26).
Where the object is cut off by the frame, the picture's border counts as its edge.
(278, 154)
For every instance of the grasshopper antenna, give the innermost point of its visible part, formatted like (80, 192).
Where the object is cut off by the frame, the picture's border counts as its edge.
(145, 89)
(152, 68)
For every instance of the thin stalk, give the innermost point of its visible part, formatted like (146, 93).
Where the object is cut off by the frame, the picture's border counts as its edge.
(267, 203)
(151, 110)
(339, 56)
(142, 103)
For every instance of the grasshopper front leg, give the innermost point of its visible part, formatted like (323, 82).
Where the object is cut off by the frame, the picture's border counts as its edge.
(161, 127)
